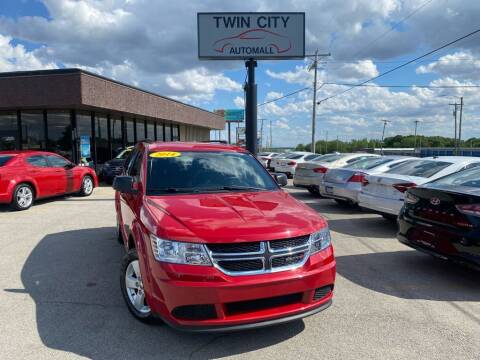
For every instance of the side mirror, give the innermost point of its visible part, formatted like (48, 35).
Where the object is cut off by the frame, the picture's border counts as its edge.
(281, 179)
(124, 184)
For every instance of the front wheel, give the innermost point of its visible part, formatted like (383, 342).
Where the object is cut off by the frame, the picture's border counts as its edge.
(131, 284)
(87, 186)
(22, 197)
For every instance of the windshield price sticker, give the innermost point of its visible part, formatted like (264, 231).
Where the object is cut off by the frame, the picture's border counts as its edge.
(165, 154)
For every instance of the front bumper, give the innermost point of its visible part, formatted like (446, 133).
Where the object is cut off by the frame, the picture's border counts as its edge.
(176, 287)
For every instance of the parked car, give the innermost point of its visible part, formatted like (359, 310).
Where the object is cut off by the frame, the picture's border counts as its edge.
(114, 167)
(345, 183)
(275, 162)
(384, 194)
(288, 166)
(266, 157)
(26, 176)
(309, 175)
(442, 218)
(214, 244)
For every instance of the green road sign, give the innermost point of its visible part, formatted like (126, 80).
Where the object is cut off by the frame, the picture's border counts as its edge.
(234, 115)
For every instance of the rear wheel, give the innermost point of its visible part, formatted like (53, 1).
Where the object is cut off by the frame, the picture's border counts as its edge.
(131, 284)
(22, 197)
(87, 186)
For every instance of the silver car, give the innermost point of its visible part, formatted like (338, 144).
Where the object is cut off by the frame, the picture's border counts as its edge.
(310, 174)
(345, 183)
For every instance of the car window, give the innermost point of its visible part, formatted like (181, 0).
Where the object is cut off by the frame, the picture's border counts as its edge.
(472, 165)
(134, 169)
(124, 154)
(395, 164)
(295, 156)
(37, 161)
(358, 159)
(421, 168)
(57, 161)
(328, 158)
(368, 163)
(128, 161)
(310, 157)
(206, 171)
(470, 178)
(4, 159)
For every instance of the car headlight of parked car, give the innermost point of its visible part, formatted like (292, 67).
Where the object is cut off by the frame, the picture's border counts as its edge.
(179, 252)
(320, 240)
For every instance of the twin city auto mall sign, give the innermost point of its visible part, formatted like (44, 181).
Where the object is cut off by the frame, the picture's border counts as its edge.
(224, 36)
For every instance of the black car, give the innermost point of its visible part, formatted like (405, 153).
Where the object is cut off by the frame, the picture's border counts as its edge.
(442, 218)
(114, 167)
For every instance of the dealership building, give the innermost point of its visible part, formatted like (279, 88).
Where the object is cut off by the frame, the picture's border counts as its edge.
(56, 110)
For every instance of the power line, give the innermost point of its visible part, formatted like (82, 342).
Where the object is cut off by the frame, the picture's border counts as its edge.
(407, 86)
(400, 66)
(286, 95)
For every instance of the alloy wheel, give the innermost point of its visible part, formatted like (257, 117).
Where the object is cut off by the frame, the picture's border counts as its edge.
(134, 286)
(24, 197)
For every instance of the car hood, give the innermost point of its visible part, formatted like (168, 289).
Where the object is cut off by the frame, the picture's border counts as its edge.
(230, 217)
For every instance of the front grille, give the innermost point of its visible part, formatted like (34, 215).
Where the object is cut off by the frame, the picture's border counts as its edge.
(260, 257)
(234, 248)
(289, 243)
(320, 293)
(242, 265)
(241, 307)
(195, 312)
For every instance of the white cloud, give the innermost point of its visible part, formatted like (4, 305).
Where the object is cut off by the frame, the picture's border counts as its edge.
(239, 102)
(460, 65)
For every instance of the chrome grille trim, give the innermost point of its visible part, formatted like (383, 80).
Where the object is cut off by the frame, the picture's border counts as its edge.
(266, 255)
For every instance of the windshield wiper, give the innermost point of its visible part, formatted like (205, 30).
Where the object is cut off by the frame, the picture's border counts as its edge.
(242, 188)
(172, 190)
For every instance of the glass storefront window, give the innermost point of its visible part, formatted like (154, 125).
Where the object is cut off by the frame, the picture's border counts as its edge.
(33, 130)
(175, 133)
(168, 132)
(140, 129)
(84, 128)
(116, 134)
(129, 128)
(59, 131)
(8, 130)
(150, 130)
(160, 136)
(101, 138)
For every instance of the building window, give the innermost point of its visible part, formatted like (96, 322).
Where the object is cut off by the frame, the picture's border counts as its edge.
(150, 130)
(168, 132)
(130, 132)
(116, 134)
(33, 130)
(84, 128)
(140, 129)
(59, 131)
(175, 133)
(8, 130)
(160, 131)
(101, 138)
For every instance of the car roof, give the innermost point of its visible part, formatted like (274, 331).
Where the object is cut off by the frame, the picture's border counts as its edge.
(193, 146)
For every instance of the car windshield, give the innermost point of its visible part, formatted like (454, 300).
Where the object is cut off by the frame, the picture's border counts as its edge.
(367, 164)
(469, 178)
(123, 154)
(4, 159)
(328, 158)
(197, 172)
(420, 168)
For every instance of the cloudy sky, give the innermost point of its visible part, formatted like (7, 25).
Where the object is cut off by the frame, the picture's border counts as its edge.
(152, 44)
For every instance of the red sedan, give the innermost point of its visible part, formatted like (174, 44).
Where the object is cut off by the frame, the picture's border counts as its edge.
(29, 175)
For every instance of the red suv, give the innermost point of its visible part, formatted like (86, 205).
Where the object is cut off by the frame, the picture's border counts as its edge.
(214, 244)
(29, 175)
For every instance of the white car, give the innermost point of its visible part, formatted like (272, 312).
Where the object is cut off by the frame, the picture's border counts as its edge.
(288, 166)
(275, 162)
(310, 174)
(345, 183)
(266, 157)
(384, 193)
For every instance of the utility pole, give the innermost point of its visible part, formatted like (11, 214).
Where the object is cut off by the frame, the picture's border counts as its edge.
(326, 142)
(271, 142)
(314, 66)
(455, 117)
(460, 125)
(261, 134)
(251, 108)
(415, 142)
(385, 122)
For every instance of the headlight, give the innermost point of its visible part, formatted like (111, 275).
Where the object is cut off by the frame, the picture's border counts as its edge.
(179, 252)
(320, 240)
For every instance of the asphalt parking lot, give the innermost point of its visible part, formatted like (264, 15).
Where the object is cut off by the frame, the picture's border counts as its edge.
(60, 296)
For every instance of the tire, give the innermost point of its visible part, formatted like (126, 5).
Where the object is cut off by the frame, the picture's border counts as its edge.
(119, 234)
(312, 191)
(130, 271)
(341, 202)
(23, 197)
(86, 189)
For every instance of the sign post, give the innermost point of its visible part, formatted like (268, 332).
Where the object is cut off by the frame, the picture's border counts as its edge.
(251, 37)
